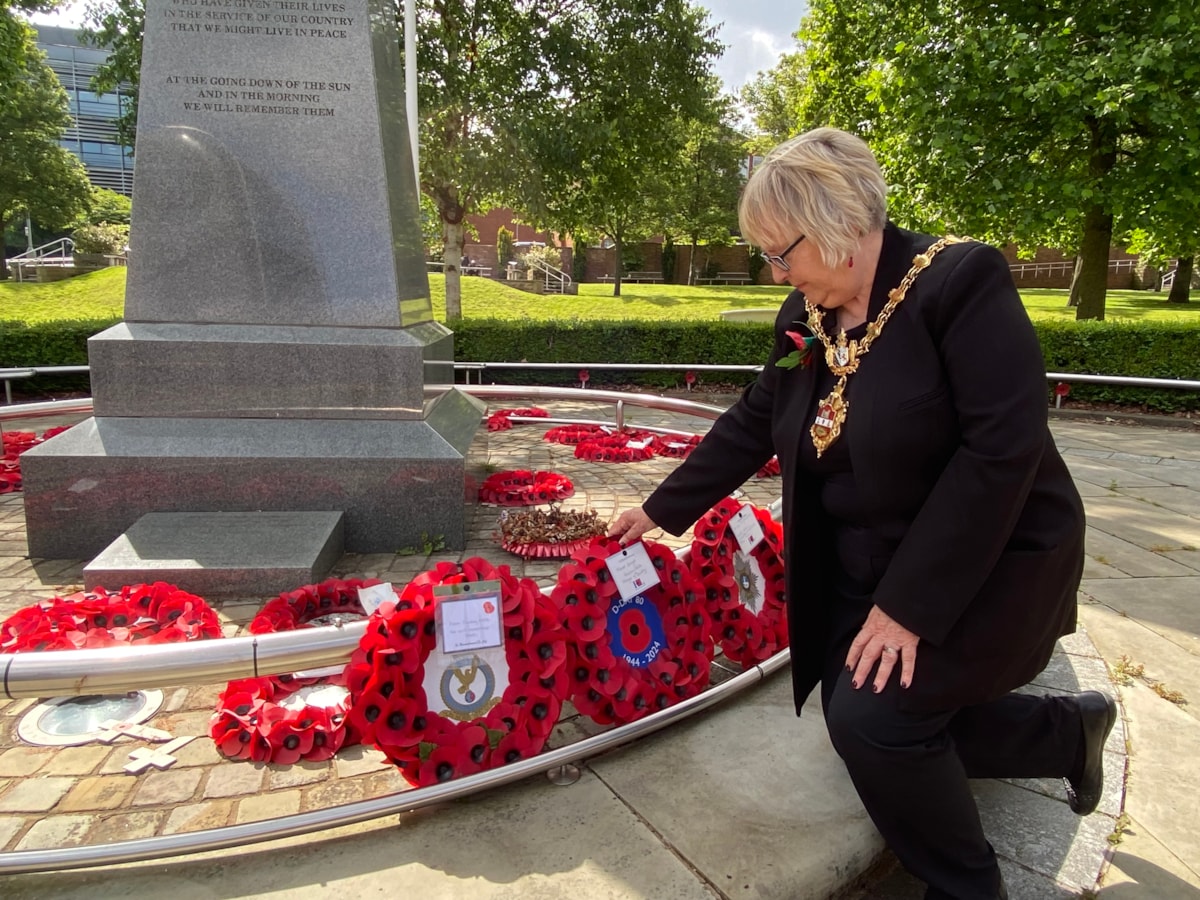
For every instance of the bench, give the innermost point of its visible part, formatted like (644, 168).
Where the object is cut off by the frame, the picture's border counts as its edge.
(726, 278)
(636, 278)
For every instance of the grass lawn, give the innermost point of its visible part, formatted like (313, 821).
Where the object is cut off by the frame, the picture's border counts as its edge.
(102, 294)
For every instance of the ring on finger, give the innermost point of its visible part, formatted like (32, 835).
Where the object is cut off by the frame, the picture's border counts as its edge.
(891, 650)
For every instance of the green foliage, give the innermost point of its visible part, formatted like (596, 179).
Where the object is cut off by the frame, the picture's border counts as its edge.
(602, 152)
(36, 174)
(55, 343)
(550, 256)
(117, 25)
(669, 254)
(755, 264)
(701, 186)
(109, 239)
(504, 246)
(1142, 350)
(627, 341)
(632, 258)
(1064, 125)
(773, 98)
(653, 324)
(105, 206)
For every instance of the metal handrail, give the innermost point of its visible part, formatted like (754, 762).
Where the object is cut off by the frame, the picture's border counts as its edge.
(112, 669)
(402, 801)
(6, 375)
(552, 275)
(64, 245)
(91, 671)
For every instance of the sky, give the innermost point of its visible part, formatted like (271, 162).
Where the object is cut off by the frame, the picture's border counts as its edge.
(757, 32)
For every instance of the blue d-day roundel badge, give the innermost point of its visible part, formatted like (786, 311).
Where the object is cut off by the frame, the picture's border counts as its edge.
(635, 630)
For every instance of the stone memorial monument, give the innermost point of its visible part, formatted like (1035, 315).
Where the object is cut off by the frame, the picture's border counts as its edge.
(278, 351)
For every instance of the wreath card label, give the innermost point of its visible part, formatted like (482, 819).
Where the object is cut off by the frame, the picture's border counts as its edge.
(632, 570)
(375, 595)
(747, 530)
(466, 673)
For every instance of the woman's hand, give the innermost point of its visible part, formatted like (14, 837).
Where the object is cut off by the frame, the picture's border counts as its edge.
(884, 640)
(631, 525)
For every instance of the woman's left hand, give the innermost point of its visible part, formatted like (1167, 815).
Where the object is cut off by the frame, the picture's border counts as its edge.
(884, 640)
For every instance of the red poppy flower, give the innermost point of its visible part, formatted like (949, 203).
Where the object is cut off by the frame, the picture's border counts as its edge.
(473, 748)
(514, 747)
(289, 739)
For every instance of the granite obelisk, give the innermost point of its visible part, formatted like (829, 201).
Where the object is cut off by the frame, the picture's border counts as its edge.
(278, 350)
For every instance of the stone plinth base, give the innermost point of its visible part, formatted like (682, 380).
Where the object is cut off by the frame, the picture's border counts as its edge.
(398, 482)
(214, 553)
(267, 371)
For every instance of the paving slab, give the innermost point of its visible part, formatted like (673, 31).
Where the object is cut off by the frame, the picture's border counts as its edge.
(1168, 606)
(1163, 659)
(1162, 788)
(1143, 867)
(757, 778)
(532, 841)
(1150, 527)
(1126, 557)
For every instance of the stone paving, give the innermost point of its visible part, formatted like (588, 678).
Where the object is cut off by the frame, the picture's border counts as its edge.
(1141, 487)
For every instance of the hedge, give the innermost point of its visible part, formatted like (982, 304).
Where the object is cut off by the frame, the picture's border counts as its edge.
(1152, 350)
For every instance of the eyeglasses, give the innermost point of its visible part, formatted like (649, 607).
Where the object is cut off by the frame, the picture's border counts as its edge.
(779, 261)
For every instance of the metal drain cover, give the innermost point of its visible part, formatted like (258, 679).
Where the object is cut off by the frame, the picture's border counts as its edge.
(70, 721)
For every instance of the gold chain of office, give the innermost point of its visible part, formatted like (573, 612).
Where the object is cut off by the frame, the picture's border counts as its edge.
(843, 356)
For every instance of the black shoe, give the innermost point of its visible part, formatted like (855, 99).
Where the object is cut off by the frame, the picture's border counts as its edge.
(1097, 714)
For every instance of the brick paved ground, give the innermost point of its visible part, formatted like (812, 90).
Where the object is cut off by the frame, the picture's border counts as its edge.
(61, 797)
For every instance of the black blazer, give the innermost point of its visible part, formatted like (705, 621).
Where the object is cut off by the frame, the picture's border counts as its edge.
(956, 468)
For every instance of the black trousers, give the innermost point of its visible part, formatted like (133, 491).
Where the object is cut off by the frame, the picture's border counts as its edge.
(911, 770)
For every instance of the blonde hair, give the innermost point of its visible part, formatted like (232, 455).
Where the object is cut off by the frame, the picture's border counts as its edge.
(824, 184)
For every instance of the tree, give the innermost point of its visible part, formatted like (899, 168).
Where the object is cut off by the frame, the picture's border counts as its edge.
(37, 176)
(638, 67)
(105, 207)
(773, 100)
(1045, 123)
(703, 183)
(117, 25)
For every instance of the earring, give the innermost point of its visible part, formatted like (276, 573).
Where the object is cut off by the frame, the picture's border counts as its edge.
(850, 265)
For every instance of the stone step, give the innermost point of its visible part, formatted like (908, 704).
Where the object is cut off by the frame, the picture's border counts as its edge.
(222, 553)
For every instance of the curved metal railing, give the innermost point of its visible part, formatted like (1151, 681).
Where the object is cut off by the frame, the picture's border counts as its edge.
(123, 668)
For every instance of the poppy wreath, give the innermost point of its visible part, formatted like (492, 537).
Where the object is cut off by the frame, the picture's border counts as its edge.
(575, 434)
(616, 447)
(500, 421)
(550, 534)
(499, 723)
(10, 477)
(524, 488)
(632, 657)
(157, 613)
(676, 446)
(14, 443)
(285, 718)
(770, 469)
(744, 592)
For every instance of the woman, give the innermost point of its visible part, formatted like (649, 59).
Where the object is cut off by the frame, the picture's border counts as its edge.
(934, 535)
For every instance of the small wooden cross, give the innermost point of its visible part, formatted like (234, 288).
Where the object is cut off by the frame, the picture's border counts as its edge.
(159, 757)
